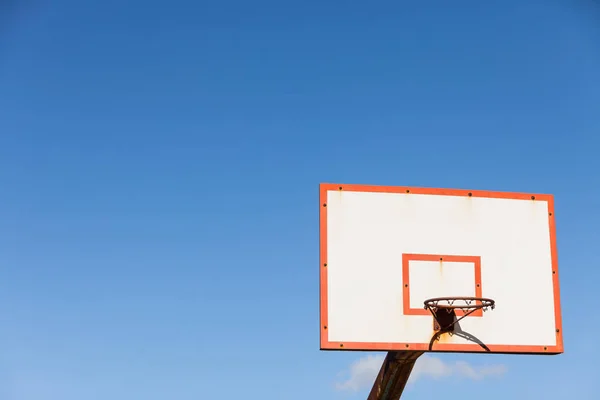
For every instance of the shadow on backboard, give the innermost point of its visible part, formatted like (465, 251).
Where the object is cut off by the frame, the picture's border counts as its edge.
(458, 331)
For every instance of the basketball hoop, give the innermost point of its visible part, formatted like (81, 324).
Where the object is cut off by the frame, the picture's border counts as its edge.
(444, 309)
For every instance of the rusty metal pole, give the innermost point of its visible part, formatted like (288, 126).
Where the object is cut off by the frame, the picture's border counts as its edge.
(393, 375)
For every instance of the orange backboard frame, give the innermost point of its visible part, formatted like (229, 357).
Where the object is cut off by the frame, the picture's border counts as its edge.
(326, 344)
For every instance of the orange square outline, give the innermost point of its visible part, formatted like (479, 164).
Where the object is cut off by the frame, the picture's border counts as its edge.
(326, 344)
(408, 257)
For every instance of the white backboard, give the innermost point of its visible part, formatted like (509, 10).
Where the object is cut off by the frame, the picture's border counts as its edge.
(384, 250)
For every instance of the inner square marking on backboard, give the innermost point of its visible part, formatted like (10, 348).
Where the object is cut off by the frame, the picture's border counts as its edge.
(408, 257)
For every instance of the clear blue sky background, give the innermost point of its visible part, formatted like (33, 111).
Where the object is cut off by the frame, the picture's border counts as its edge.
(159, 164)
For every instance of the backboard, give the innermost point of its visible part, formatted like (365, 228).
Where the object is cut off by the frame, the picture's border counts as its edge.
(385, 250)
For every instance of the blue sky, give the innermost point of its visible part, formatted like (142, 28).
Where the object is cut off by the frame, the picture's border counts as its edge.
(159, 170)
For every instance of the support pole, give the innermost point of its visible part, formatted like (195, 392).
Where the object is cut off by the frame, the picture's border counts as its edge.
(393, 375)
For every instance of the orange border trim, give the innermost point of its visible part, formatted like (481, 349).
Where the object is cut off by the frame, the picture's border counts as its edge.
(439, 347)
(441, 258)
